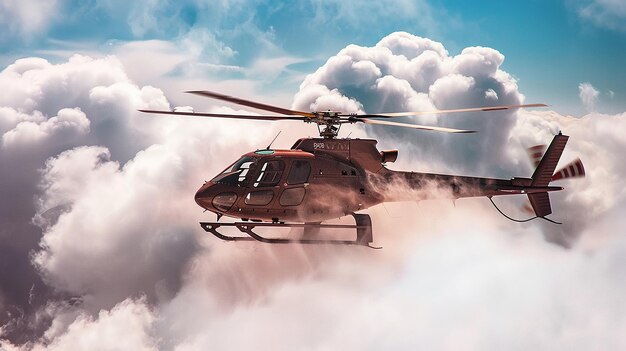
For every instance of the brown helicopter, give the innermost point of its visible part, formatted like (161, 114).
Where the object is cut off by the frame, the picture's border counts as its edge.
(324, 178)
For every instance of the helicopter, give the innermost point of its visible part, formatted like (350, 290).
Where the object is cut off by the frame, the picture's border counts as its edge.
(325, 178)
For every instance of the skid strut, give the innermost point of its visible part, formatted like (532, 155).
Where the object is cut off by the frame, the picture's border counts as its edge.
(363, 228)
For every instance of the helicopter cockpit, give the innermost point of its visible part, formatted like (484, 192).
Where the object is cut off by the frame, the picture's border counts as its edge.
(238, 173)
(244, 172)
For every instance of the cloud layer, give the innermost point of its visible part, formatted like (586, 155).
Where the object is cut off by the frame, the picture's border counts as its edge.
(122, 258)
(47, 109)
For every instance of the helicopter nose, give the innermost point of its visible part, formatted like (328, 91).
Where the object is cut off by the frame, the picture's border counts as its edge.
(204, 195)
(215, 198)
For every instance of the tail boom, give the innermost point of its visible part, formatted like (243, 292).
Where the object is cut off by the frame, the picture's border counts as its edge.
(422, 184)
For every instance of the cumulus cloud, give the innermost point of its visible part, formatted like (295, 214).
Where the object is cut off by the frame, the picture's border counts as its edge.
(485, 284)
(588, 96)
(404, 72)
(68, 124)
(85, 181)
(50, 108)
(124, 327)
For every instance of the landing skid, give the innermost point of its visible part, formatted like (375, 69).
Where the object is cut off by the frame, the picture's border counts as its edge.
(363, 228)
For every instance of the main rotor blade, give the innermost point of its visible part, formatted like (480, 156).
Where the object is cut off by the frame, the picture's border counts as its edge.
(438, 112)
(221, 115)
(414, 126)
(249, 103)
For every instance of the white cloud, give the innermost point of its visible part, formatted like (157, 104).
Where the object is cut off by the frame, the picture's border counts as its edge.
(588, 95)
(26, 18)
(99, 87)
(48, 108)
(144, 209)
(430, 287)
(604, 13)
(596, 138)
(202, 43)
(404, 72)
(490, 94)
(411, 46)
(67, 125)
(86, 182)
(125, 327)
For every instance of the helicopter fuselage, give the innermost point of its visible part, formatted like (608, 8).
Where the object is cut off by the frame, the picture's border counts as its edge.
(320, 179)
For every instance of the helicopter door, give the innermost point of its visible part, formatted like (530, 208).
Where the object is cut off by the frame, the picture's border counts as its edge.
(294, 191)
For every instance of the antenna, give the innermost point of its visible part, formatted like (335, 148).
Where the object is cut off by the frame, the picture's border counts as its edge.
(273, 140)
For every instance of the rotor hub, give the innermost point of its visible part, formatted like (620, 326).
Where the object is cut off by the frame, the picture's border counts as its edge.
(328, 123)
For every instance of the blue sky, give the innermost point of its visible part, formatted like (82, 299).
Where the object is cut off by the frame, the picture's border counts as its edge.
(550, 46)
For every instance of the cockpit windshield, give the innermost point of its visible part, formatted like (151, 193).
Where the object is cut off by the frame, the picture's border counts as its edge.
(237, 172)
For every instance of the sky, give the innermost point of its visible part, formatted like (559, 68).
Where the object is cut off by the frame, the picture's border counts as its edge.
(100, 247)
(551, 47)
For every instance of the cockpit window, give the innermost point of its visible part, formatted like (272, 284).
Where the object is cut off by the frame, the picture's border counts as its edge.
(242, 163)
(237, 172)
(270, 174)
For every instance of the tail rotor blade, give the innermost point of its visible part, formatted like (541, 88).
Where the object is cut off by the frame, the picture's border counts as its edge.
(574, 169)
(535, 153)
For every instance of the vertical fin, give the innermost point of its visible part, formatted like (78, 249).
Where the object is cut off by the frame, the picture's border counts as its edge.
(545, 169)
(542, 176)
(540, 203)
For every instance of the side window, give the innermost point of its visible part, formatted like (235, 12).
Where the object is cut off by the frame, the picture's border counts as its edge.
(292, 197)
(259, 198)
(299, 172)
(270, 174)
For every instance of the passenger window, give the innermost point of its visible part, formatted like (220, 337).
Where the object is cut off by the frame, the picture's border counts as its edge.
(270, 174)
(292, 197)
(259, 198)
(299, 172)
